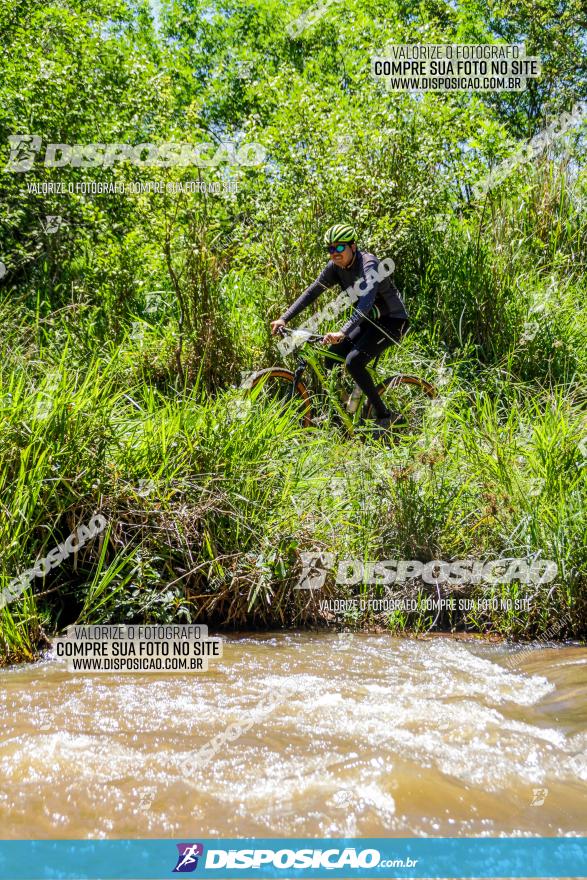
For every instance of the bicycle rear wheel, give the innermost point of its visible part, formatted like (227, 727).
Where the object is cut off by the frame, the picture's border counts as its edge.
(405, 396)
(275, 386)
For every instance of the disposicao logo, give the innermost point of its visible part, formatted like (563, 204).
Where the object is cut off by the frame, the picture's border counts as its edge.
(187, 861)
(289, 858)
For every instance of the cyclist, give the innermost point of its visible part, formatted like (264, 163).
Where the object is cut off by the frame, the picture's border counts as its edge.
(378, 320)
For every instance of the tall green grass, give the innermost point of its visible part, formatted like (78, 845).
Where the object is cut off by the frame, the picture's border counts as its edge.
(210, 501)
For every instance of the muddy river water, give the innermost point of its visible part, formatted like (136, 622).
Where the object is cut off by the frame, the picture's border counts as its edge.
(370, 736)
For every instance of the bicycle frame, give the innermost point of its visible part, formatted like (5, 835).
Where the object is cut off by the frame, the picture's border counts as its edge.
(308, 359)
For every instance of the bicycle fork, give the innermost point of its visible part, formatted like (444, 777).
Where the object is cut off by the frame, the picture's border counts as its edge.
(297, 376)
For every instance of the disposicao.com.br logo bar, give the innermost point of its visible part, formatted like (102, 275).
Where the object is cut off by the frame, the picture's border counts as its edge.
(285, 858)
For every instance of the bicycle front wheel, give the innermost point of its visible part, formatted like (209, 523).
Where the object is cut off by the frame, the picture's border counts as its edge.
(275, 387)
(405, 396)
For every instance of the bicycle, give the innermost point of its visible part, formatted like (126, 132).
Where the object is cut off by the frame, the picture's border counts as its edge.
(404, 395)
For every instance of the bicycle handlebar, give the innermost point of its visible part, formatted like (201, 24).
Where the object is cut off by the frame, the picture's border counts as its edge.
(307, 336)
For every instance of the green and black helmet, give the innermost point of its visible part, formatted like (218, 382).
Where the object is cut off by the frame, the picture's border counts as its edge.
(340, 232)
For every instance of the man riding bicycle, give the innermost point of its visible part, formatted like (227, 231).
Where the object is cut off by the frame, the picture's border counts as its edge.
(378, 320)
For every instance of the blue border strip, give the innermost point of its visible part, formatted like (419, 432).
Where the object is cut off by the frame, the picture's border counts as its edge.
(156, 859)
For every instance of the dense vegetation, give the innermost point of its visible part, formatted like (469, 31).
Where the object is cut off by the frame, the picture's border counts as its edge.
(126, 330)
